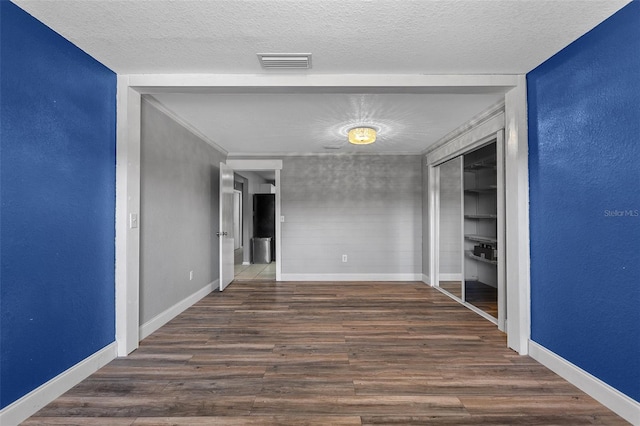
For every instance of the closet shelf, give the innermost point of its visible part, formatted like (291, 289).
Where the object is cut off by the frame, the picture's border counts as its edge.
(470, 255)
(481, 238)
(480, 216)
(488, 190)
(480, 166)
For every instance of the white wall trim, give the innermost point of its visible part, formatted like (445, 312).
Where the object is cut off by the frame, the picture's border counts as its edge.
(351, 277)
(127, 282)
(484, 116)
(616, 401)
(426, 279)
(517, 256)
(433, 192)
(472, 137)
(164, 317)
(450, 277)
(278, 224)
(29, 404)
(309, 83)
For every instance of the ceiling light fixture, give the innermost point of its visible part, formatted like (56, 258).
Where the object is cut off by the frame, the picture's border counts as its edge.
(362, 135)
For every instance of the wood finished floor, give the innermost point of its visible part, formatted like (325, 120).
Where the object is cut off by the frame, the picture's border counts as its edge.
(482, 296)
(263, 353)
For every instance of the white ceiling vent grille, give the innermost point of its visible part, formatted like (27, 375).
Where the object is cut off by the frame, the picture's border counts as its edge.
(285, 61)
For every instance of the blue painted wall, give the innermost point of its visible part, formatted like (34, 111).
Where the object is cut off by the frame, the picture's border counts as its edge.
(584, 159)
(57, 194)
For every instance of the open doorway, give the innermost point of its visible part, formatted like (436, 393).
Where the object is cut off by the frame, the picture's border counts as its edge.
(255, 259)
(470, 231)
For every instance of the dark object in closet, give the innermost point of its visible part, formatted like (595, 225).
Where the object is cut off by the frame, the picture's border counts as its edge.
(483, 250)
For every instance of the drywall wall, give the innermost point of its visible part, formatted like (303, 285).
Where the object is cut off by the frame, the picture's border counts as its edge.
(584, 124)
(58, 129)
(178, 212)
(368, 207)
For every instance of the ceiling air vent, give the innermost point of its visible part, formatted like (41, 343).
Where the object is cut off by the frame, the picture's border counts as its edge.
(285, 61)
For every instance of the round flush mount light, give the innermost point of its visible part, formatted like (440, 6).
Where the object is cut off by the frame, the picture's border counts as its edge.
(362, 135)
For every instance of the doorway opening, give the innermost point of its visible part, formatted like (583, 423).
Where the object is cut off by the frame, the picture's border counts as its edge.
(258, 258)
(470, 229)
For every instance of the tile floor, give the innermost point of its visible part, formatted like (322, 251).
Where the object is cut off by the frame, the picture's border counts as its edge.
(256, 271)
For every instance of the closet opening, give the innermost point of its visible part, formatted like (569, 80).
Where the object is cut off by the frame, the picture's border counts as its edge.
(470, 229)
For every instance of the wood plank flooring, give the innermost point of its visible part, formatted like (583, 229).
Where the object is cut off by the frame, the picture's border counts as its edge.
(480, 295)
(265, 353)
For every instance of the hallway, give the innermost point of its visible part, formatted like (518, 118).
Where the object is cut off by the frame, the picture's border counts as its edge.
(255, 271)
(346, 353)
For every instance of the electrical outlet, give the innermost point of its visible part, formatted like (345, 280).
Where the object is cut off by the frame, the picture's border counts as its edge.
(190, 275)
(344, 258)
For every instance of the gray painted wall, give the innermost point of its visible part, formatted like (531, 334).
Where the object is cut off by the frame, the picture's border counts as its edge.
(368, 207)
(178, 213)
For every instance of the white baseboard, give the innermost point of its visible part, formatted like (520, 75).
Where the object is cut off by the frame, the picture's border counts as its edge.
(246, 263)
(29, 404)
(164, 317)
(351, 277)
(426, 279)
(613, 399)
(450, 277)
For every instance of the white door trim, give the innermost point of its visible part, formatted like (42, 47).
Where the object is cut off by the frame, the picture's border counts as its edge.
(225, 225)
(517, 218)
(127, 204)
(131, 87)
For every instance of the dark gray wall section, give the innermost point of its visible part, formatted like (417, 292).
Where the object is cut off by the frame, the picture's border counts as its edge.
(178, 213)
(368, 207)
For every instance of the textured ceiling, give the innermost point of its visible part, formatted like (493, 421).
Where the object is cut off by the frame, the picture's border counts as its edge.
(305, 123)
(345, 37)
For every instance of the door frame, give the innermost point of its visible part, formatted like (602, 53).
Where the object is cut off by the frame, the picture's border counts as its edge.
(250, 165)
(131, 87)
(498, 140)
(225, 209)
(241, 219)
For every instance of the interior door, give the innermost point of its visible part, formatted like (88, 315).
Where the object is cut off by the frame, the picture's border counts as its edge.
(225, 232)
(450, 225)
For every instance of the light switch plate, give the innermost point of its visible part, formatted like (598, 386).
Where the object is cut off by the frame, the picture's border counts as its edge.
(133, 220)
